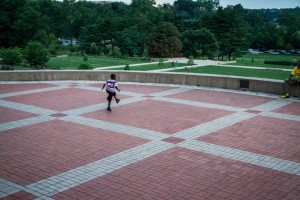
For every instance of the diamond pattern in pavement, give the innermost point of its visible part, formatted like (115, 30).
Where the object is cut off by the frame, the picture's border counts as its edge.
(57, 141)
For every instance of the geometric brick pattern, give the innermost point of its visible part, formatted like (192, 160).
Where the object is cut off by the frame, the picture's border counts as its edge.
(160, 142)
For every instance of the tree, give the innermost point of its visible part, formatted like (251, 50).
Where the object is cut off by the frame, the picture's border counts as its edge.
(131, 41)
(199, 42)
(91, 39)
(296, 40)
(36, 54)
(229, 29)
(164, 41)
(10, 12)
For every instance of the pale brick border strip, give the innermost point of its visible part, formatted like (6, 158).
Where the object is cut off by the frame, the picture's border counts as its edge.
(211, 126)
(101, 106)
(272, 105)
(78, 176)
(103, 91)
(27, 108)
(170, 92)
(33, 91)
(281, 116)
(7, 188)
(25, 122)
(243, 156)
(200, 104)
(119, 128)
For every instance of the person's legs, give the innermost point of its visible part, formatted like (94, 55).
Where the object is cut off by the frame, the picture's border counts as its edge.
(287, 83)
(115, 96)
(109, 98)
(286, 88)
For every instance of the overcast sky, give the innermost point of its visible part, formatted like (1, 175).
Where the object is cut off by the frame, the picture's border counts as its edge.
(251, 4)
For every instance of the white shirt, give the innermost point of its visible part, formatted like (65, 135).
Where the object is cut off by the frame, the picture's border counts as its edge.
(110, 85)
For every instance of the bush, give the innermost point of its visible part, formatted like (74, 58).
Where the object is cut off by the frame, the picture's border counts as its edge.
(36, 54)
(85, 66)
(283, 62)
(161, 62)
(6, 67)
(126, 67)
(191, 60)
(85, 58)
(11, 57)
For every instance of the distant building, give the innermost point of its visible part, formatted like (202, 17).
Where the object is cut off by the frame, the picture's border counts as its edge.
(66, 42)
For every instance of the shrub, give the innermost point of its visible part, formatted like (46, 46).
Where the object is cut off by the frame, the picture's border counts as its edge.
(6, 67)
(11, 57)
(191, 60)
(282, 62)
(126, 67)
(85, 66)
(161, 62)
(85, 58)
(36, 54)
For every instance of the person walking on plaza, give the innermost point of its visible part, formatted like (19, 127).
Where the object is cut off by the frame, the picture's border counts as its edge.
(294, 79)
(111, 85)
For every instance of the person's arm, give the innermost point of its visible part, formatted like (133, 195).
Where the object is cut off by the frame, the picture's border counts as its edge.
(103, 86)
(118, 88)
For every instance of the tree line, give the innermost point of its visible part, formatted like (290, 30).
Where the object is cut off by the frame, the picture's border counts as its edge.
(144, 29)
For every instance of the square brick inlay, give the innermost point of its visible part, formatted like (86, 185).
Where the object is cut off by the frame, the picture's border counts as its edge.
(64, 99)
(173, 140)
(58, 115)
(36, 152)
(9, 88)
(142, 89)
(148, 96)
(263, 135)
(9, 115)
(223, 98)
(291, 109)
(184, 174)
(159, 116)
(253, 111)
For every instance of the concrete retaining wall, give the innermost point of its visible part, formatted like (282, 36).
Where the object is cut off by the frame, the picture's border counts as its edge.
(216, 81)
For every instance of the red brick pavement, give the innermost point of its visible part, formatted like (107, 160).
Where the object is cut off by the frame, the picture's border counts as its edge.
(222, 98)
(35, 152)
(292, 109)
(8, 88)
(13, 115)
(183, 174)
(160, 116)
(263, 135)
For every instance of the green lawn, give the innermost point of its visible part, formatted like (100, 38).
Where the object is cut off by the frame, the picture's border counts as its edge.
(73, 62)
(149, 67)
(257, 60)
(233, 71)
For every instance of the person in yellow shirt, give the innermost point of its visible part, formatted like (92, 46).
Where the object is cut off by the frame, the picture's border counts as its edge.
(294, 79)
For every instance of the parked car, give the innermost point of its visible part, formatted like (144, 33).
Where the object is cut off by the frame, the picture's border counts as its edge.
(283, 52)
(295, 51)
(273, 52)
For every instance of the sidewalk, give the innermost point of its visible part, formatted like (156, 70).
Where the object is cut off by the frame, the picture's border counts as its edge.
(161, 142)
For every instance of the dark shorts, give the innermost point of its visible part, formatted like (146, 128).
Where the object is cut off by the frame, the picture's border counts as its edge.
(110, 95)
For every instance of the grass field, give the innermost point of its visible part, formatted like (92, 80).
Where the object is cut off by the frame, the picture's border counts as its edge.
(73, 62)
(233, 71)
(256, 60)
(149, 67)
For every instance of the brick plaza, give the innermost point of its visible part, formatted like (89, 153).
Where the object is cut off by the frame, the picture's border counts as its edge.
(162, 142)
